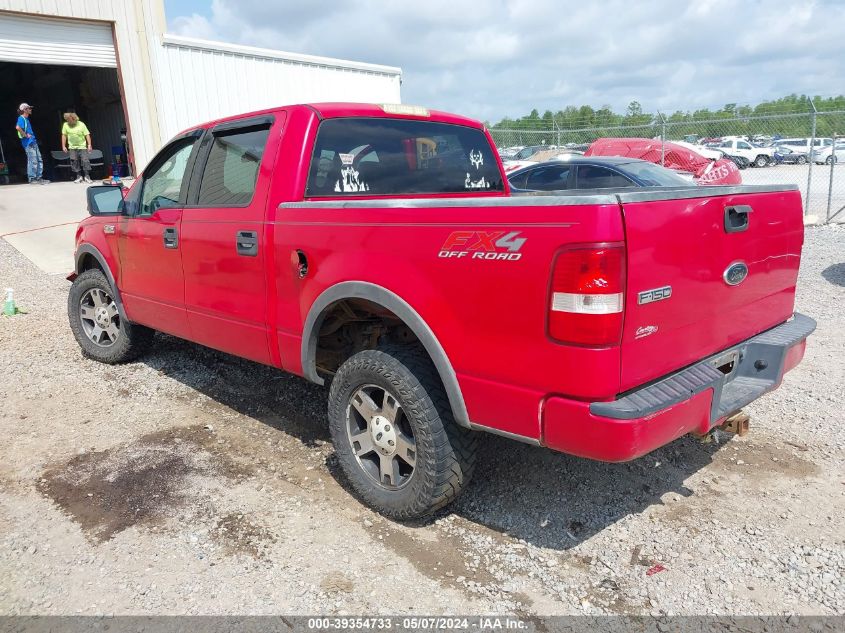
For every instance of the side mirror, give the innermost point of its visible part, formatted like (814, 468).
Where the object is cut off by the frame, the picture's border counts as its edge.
(105, 200)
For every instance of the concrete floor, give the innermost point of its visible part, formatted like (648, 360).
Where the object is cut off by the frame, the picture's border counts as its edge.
(40, 222)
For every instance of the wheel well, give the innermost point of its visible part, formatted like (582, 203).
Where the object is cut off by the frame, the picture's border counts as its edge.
(355, 315)
(351, 325)
(88, 262)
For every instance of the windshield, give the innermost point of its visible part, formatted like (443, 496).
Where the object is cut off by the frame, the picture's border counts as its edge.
(652, 175)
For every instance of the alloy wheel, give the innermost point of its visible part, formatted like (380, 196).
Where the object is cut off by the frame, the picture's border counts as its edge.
(381, 437)
(100, 318)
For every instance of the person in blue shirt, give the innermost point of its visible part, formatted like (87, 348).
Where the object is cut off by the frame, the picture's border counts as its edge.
(34, 164)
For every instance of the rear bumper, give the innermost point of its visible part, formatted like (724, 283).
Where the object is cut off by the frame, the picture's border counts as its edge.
(694, 399)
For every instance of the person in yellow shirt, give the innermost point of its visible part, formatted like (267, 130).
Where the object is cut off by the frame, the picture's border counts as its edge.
(76, 139)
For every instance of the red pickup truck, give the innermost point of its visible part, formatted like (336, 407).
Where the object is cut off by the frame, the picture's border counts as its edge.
(378, 248)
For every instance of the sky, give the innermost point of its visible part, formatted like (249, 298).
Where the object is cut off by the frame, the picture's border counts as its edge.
(491, 59)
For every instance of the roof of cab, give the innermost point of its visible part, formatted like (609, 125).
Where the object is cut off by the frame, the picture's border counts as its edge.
(336, 110)
(342, 110)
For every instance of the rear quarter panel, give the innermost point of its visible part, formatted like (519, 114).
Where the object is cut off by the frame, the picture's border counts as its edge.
(488, 314)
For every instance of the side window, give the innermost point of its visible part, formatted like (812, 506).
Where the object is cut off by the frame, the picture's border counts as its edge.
(592, 177)
(232, 167)
(162, 187)
(549, 178)
(518, 182)
(743, 145)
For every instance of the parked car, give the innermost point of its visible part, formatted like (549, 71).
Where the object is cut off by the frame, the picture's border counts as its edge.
(790, 155)
(378, 249)
(806, 145)
(525, 156)
(598, 172)
(527, 152)
(757, 156)
(507, 153)
(829, 154)
(740, 161)
(545, 155)
(712, 154)
(677, 157)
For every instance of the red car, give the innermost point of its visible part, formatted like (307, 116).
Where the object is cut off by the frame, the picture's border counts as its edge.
(673, 156)
(378, 249)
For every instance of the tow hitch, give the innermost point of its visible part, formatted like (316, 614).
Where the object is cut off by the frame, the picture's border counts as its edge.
(737, 423)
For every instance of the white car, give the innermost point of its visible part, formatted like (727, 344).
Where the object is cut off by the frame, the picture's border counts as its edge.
(757, 156)
(803, 144)
(829, 154)
(712, 154)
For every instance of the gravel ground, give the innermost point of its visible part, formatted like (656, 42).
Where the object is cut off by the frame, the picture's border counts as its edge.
(194, 482)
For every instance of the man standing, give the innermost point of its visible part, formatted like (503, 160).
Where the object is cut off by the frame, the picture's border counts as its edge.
(34, 164)
(75, 135)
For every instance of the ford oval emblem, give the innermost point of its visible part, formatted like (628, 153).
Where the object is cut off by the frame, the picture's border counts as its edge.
(735, 274)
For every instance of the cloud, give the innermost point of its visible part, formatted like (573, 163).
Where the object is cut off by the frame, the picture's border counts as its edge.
(505, 57)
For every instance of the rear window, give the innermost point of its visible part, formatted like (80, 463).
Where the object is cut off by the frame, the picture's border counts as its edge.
(398, 156)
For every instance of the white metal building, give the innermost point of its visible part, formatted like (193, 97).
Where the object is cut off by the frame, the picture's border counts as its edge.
(113, 62)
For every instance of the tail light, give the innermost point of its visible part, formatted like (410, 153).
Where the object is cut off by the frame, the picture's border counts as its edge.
(587, 296)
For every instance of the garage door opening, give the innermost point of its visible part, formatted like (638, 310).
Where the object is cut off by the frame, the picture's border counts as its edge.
(52, 90)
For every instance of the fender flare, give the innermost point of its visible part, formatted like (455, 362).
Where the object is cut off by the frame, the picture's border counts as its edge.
(399, 307)
(88, 249)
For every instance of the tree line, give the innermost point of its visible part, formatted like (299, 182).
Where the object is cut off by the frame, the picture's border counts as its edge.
(731, 119)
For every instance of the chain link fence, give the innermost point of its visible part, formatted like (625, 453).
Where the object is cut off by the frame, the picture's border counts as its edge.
(805, 149)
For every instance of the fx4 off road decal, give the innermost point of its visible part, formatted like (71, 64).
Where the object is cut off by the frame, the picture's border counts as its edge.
(502, 245)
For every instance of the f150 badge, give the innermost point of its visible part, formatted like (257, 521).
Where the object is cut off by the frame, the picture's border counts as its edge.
(502, 245)
(655, 294)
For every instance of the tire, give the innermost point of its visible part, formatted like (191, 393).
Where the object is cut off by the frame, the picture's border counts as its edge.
(761, 161)
(801, 160)
(90, 305)
(397, 390)
(829, 160)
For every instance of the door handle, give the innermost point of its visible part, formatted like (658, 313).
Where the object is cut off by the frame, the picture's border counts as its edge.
(247, 243)
(736, 218)
(171, 238)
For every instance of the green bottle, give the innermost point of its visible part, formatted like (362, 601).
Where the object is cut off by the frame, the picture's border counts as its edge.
(9, 308)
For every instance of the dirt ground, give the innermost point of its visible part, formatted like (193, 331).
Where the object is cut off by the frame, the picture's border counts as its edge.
(192, 482)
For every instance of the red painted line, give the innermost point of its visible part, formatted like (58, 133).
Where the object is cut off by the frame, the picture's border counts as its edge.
(40, 228)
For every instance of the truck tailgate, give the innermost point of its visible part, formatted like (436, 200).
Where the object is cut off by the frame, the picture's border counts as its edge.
(687, 250)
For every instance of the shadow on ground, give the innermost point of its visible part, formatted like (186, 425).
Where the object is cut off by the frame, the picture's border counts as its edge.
(546, 498)
(835, 274)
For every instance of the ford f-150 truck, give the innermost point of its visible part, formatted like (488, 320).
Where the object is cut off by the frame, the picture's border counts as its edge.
(378, 249)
